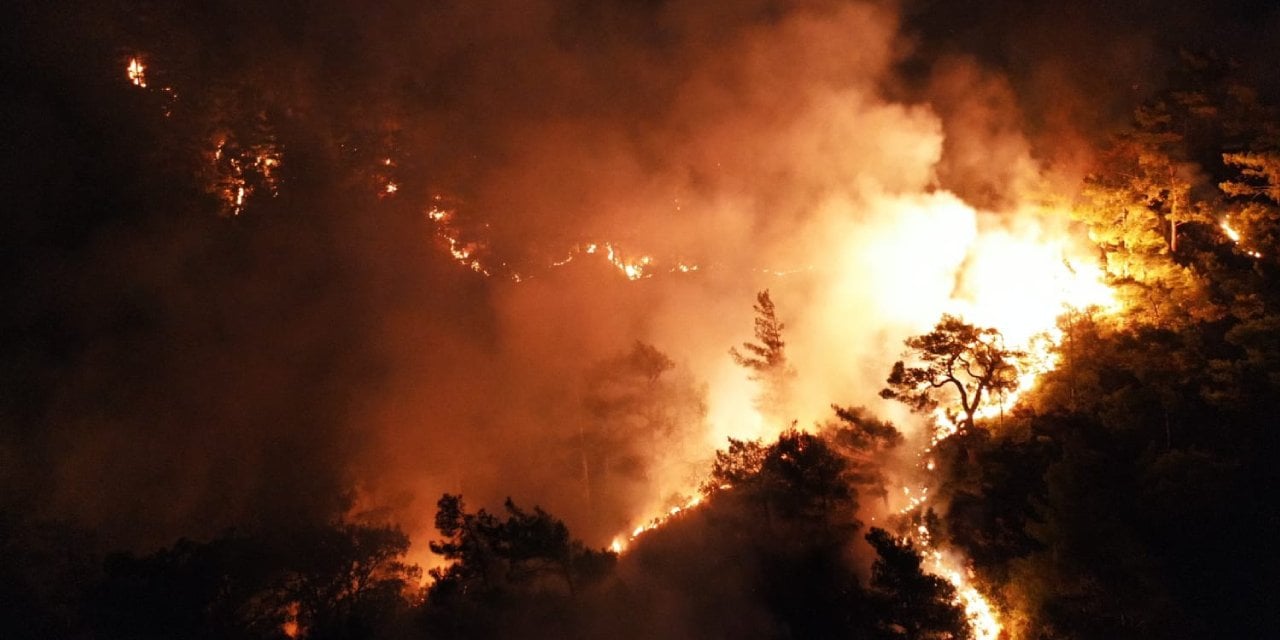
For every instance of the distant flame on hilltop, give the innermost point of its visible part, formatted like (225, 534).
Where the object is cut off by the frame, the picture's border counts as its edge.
(136, 72)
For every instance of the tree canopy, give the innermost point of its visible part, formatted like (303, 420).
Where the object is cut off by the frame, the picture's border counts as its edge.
(957, 362)
(766, 358)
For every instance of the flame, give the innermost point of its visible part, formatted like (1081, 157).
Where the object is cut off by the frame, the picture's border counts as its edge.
(622, 541)
(137, 73)
(638, 267)
(234, 171)
(291, 627)
(1235, 237)
(630, 265)
(632, 268)
(982, 617)
(1231, 232)
(1020, 281)
(462, 251)
(231, 167)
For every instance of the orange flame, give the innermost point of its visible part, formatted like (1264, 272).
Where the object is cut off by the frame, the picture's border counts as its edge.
(1235, 237)
(137, 73)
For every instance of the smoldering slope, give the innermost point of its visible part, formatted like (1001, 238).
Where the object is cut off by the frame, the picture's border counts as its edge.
(749, 141)
(760, 146)
(775, 145)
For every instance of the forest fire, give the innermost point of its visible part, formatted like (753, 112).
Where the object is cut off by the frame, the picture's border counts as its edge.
(464, 252)
(1018, 278)
(237, 173)
(622, 542)
(983, 621)
(982, 618)
(1021, 283)
(1014, 349)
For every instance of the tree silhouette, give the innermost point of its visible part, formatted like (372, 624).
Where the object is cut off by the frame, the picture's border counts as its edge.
(911, 603)
(340, 580)
(766, 358)
(492, 554)
(347, 580)
(956, 356)
(799, 483)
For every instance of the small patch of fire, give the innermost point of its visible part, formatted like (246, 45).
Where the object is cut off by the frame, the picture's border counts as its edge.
(1234, 235)
(981, 615)
(622, 541)
(236, 173)
(136, 72)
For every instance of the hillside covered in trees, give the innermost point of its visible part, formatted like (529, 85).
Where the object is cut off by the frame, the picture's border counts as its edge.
(318, 327)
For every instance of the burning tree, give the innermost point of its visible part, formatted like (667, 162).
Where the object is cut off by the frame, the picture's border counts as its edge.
(970, 361)
(766, 358)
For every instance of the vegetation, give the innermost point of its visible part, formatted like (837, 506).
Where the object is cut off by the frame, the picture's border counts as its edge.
(770, 556)
(1128, 493)
(968, 362)
(766, 359)
(1131, 494)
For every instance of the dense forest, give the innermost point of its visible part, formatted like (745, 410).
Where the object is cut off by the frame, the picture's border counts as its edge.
(181, 224)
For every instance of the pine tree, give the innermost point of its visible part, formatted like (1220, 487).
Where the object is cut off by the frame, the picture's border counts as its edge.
(766, 359)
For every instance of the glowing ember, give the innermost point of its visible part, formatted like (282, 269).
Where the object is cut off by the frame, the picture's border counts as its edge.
(1231, 233)
(137, 73)
(236, 173)
(621, 542)
(1235, 237)
(462, 251)
(290, 627)
(632, 268)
